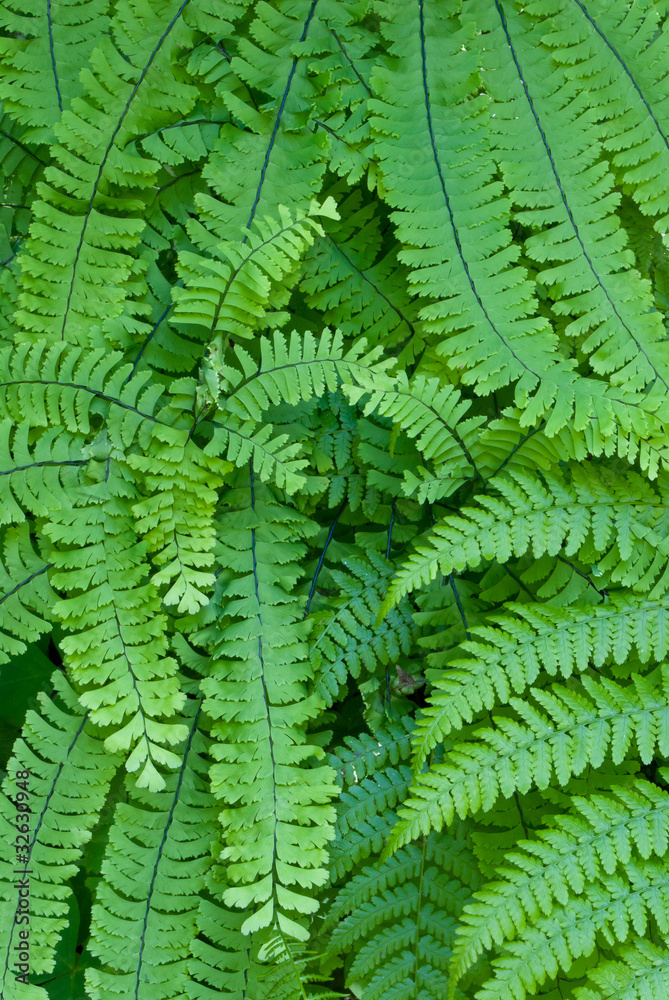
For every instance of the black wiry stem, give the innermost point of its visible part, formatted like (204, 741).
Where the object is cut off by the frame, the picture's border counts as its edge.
(322, 557)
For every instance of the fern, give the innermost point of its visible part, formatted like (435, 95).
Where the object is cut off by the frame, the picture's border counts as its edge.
(577, 729)
(535, 642)
(277, 818)
(543, 516)
(344, 640)
(333, 493)
(69, 776)
(639, 971)
(26, 598)
(160, 866)
(399, 914)
(575, 851)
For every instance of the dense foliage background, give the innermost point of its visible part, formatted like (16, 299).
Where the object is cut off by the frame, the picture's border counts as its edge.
(334, 442)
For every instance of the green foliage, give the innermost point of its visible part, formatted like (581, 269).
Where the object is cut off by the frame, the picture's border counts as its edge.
(334, 509)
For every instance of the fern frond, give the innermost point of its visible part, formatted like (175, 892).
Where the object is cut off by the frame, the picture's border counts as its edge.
(300, 369)
(600, 835)
(620, 52)
(576, 729)
(543, 514)
(277, 817)
(344, 639)
(355, 281)
(610, 911)
(432, 413)
(80, 263)
(399, 918)
(58, 386)
(59, 804)
(361, 756)
(116, 649)
(276, 459)
(567, 199)
(277, 156)
(176, 515)
(26, 598)
(375, 779)
(509, 654)
(229, 294)
(454, 230)
(41, 57)
(36, 477)
(640, 973)
(222, 964)
(288, 974)
(146, 902)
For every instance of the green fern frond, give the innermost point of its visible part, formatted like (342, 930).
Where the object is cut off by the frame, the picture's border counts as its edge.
(361, 756)
(610, 911)
(116, 648)
(278, 155)
(375, 779)
(344, 639)
(229, 294)
(157, 857)
(58, 386)
(26, 598)
(600, 835)
(609, 45)
(542, 514)
(58, 803)
(640, 973)
(222, 962)
(576, 729)
(41, 57)
(399, 919)
(287, 972)
(432, 413)
(353, 279)
(176, 514)
(80, 262)
(509, 654)
(567, 200)
(301, 369)
(451, 226)
(36, 477)
(277, 817)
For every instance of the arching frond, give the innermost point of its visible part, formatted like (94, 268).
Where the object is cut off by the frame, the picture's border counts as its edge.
(558, 737)
(57, 781)
(509, 654)
(542, 514)
(157, 857)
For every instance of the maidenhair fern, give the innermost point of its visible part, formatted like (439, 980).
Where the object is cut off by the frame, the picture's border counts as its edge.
(334, 499)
